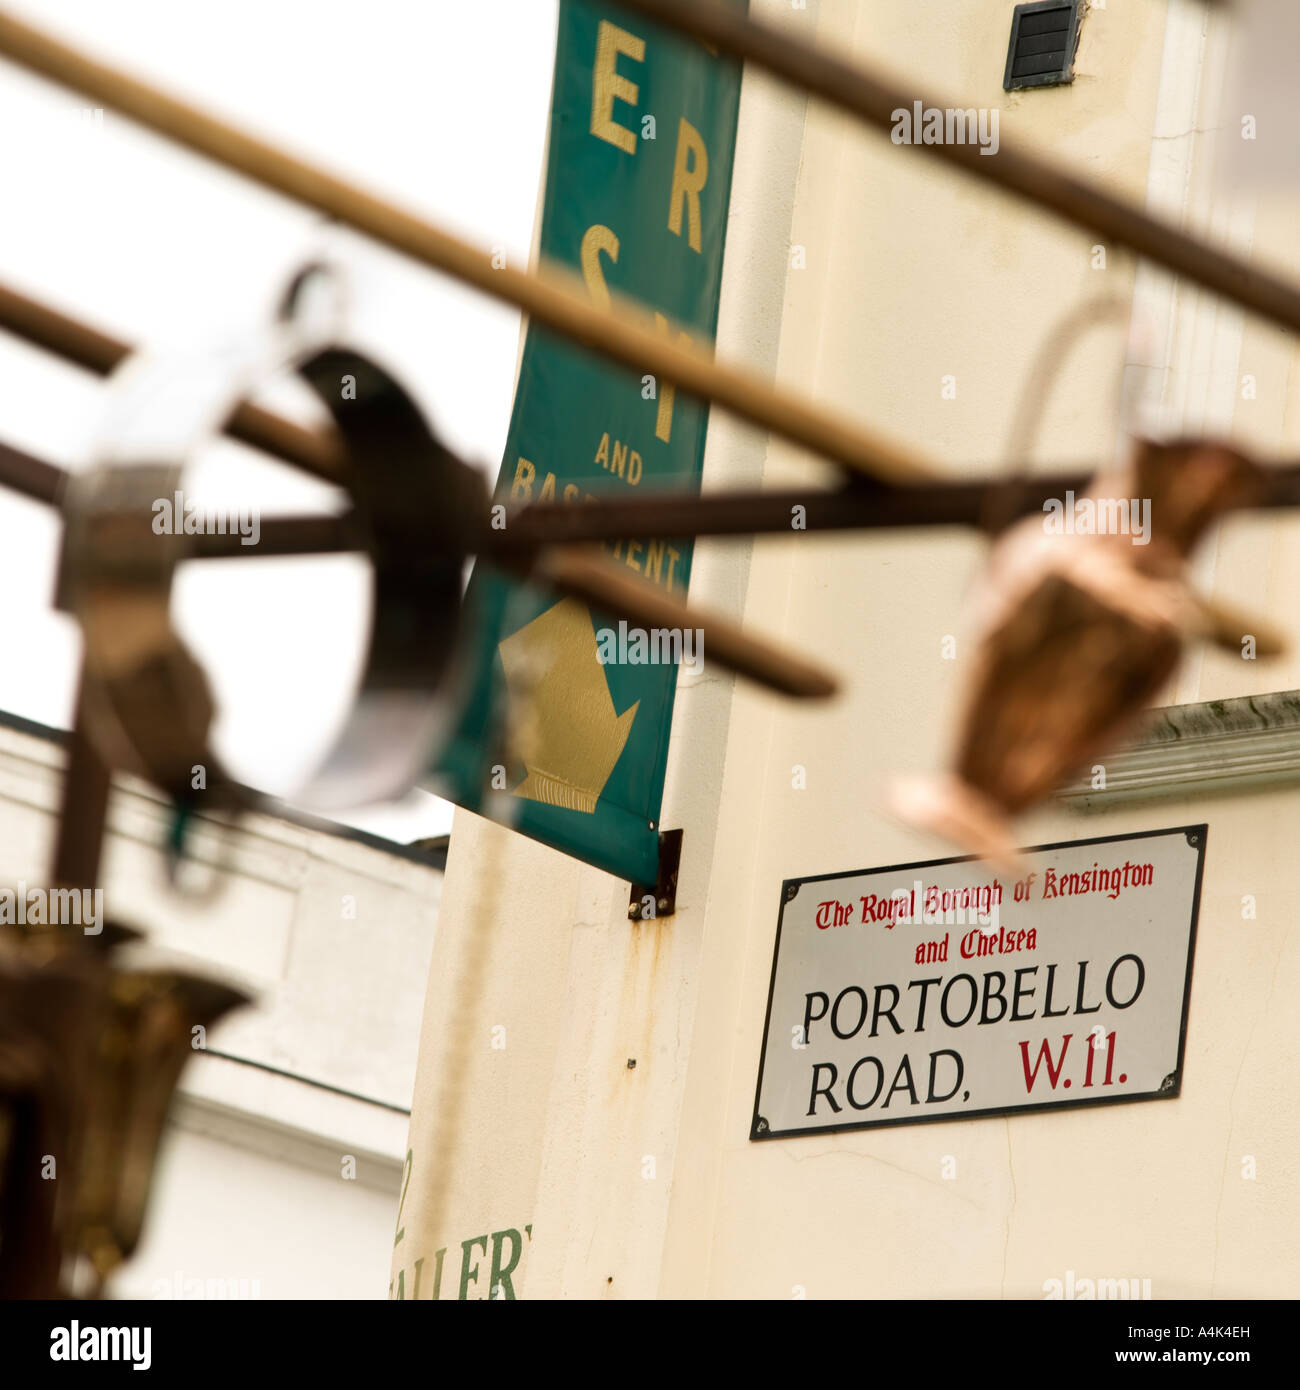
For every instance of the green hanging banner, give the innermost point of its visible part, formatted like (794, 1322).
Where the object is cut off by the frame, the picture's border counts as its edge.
(556, 743)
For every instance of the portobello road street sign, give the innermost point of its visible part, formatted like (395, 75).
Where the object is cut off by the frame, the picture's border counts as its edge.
(941, 991)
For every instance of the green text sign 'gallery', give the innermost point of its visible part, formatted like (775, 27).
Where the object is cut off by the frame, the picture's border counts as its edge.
(561, 741)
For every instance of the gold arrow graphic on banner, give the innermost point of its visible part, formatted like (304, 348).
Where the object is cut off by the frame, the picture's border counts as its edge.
(571, 736)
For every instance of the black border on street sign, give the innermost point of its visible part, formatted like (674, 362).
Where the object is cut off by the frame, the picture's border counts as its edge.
(759, 1129)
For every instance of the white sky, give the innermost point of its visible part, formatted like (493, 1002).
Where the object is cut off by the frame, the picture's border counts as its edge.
(439, 105)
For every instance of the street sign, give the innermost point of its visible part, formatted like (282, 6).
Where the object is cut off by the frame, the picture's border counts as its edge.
(941, 991)
(638, 180)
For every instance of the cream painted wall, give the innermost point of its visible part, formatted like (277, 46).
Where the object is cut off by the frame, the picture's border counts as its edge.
(643, 1181)
(949, 279)
(331, 936)
(229, 1221)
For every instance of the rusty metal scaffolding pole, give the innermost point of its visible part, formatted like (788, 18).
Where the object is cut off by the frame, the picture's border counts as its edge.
(558, 301)
(554, 298)
(311, 451)
(861, 504)
(874, 99)
(857, 506)
(83, 812)
(570, 570)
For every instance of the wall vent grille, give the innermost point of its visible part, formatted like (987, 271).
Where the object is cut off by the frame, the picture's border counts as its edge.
(1043, 38)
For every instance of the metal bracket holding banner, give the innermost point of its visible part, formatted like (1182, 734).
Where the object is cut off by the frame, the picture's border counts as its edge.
(659, 899)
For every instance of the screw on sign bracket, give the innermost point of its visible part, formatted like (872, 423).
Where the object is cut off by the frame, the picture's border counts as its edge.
(659, 899)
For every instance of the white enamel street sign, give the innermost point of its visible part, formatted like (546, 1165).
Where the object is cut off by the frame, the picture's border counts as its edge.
(941, 991)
